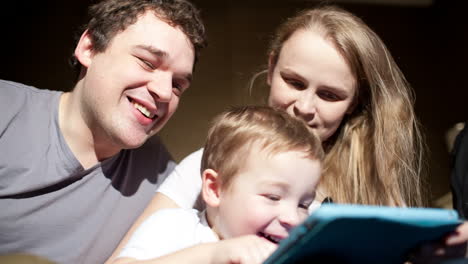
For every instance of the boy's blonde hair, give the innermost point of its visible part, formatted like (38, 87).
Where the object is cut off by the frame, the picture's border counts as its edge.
(234, 133)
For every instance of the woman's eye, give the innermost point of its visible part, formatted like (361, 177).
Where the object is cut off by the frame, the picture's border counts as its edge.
(329, 96)
(295, 83)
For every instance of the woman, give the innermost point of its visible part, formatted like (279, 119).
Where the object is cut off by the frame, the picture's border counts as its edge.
(328, 68)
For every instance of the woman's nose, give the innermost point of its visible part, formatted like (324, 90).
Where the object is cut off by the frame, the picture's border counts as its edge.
(305, 106)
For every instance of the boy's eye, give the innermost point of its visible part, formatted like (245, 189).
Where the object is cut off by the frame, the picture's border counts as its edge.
(272, 197)
(304, 205)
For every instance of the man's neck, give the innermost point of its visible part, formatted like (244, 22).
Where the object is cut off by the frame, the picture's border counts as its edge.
(79, 137)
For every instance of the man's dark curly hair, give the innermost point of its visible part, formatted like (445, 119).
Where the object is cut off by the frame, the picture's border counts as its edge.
(109, 17)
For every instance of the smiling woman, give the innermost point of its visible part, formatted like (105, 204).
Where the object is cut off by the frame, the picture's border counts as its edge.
(356, 99)
(310, 79)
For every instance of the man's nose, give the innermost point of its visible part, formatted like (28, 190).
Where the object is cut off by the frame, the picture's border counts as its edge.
(161, 87)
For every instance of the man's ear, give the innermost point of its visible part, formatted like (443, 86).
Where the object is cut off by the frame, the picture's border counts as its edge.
(271, 67)
(211, 187)
(84, 49)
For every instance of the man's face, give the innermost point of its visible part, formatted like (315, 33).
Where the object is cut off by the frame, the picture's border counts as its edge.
(132, 88)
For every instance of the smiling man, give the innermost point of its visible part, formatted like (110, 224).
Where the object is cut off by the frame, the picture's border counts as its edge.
(77, 168)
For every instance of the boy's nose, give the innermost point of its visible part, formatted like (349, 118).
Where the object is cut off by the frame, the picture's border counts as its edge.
(289, 218)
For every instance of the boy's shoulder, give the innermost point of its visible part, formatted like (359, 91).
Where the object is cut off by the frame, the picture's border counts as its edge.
(182, 214)
(189, 223)
(173, 220)
(154, 237)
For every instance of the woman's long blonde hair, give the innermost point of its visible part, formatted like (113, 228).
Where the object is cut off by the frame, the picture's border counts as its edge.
(375, 157)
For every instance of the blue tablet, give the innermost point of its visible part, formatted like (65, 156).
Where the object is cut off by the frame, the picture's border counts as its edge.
(340, 233)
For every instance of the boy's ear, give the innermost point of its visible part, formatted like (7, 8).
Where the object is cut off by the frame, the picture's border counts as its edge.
(84, 49)
(210, 187)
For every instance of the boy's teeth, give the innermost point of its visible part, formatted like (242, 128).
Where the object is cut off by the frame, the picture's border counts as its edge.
(271, 238)
(143, 110)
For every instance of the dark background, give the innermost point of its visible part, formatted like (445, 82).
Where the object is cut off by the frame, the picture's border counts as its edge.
(429, 43)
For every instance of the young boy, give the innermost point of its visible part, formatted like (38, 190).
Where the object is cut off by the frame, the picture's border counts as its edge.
(260, 169)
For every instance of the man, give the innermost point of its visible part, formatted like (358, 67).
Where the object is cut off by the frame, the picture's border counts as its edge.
(77, 168)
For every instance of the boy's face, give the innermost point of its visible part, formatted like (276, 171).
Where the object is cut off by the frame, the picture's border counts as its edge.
(269, 196)
(131, 89)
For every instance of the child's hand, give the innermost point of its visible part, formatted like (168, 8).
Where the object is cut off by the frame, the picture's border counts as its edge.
(452, 247)
(249, 249)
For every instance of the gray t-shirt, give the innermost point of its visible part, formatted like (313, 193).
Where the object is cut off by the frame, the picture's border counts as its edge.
(49, 205)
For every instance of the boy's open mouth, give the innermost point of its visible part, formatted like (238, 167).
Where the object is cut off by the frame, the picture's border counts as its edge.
(273, 239)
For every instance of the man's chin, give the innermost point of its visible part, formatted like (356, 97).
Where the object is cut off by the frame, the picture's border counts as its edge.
(133, 142)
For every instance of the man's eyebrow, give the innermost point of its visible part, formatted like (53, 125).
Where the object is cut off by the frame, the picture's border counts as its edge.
(153, 50)
(162, 54)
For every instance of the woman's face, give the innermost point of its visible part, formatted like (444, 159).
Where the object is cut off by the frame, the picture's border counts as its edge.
(311, 80)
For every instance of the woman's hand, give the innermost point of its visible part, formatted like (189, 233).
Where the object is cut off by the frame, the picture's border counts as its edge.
(453, 246)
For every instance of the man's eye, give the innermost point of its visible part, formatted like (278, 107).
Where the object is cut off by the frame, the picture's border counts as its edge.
(177, 86)
(178, 89)
(147, 64)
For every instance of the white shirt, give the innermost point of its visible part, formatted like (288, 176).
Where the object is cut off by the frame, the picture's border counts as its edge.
(167, 231)
(184, 183)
